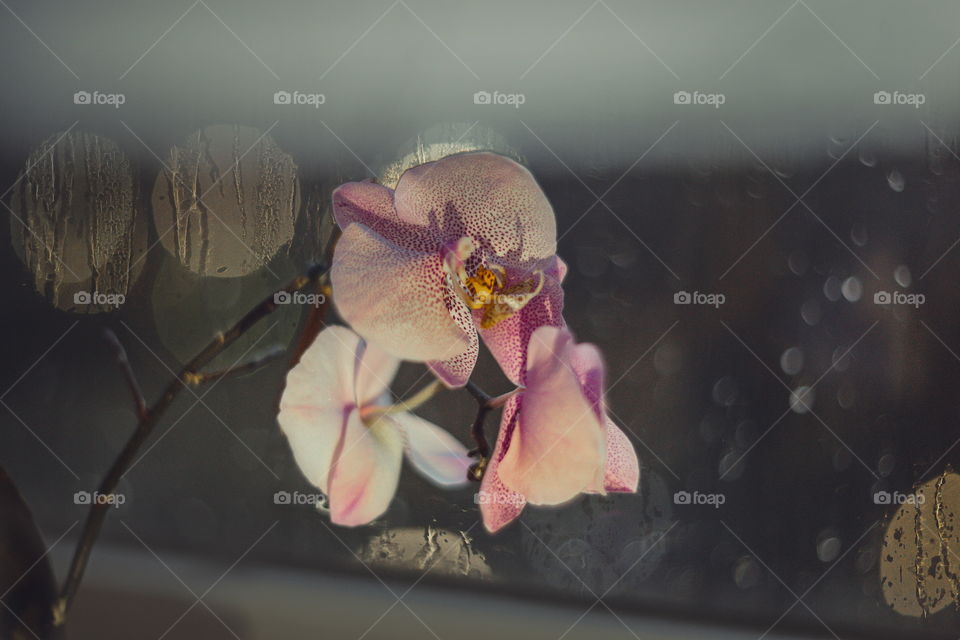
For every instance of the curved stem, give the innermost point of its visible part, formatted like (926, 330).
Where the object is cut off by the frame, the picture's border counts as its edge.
(410, 404)
(189, 375)
(485, 404)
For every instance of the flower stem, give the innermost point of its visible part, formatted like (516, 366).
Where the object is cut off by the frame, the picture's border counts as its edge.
(149, 418)
(410, 404)
(485, 404)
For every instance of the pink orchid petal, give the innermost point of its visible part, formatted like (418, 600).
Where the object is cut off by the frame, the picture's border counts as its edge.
(364, 202)
(484, 195)
(394, 297)
(366, 471)
(371, 205)
(313, 433)
(587, 362)
(560, 269)
(375, 370)
(622, 470)
(500, 505)
(435, 453)
(558, 447)
(508, 339)
(325, 375)
(454, 372)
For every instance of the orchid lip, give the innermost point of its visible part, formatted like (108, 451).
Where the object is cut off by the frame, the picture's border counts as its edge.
(489, 288)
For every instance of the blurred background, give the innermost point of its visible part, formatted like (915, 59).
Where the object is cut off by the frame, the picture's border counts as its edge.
(756, 201)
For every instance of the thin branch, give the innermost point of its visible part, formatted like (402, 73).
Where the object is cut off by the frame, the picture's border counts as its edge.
(98, 510)
(317, 318)
(120, 355)
(482, 451)
(262, 360)
(477, 432)
(481, 396)
(485, 404)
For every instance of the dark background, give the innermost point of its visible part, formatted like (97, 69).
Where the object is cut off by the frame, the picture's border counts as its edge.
(692, 397)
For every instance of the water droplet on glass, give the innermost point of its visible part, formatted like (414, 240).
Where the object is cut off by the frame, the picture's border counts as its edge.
(791, 361)
(711, 428)
(846, 395)
(667, 359)
(801, 399)
(886, 464)
(746, 573)
(831, 288)
(732, 465)
(229, 199)
(852, 289)
(798, 263)
(858, 234)
(78, 226)
(896, 180)
(725, 391)
(829, 548)
(841, 359)
(902, 275)
(811, 312)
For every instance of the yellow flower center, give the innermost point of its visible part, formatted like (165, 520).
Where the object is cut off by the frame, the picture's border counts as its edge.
(488, 289)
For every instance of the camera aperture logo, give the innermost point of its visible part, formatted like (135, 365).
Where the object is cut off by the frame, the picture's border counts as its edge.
(86, 298)
(298, 498)
(699, 98)
(98, 97)
(299, 297)
(898, 498)
(112, 499)
(899, 98)
(299, 98)
(714, 500)
(500, 98)
(710, 299)
(899, 298)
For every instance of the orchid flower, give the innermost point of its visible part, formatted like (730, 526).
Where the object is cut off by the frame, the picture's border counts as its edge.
(556, 440)
(347, 440)
(464, 245)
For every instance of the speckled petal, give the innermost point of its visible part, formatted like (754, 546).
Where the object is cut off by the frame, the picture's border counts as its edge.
(435, 453)
(454, 372)
(366, 471)
(394, 297)
(486, 196)
(508, 339)
(500, 505)
(558, 447)
(622, 470)
(371, 205)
